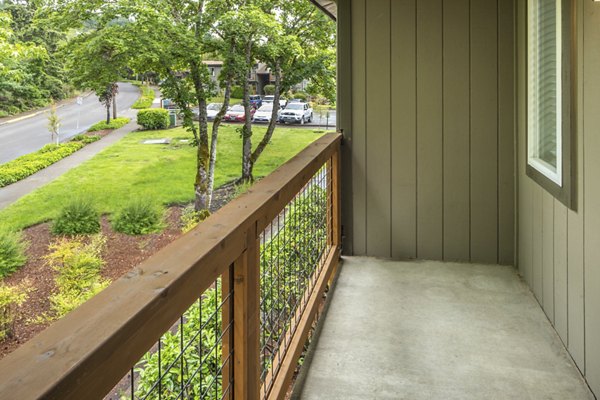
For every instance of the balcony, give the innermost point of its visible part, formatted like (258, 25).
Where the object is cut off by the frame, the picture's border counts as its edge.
(225, 312)
(434, 330)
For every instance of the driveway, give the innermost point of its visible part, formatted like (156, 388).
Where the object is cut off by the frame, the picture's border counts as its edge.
(22, 136)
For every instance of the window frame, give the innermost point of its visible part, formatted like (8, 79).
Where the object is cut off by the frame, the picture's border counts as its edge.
(562, 187)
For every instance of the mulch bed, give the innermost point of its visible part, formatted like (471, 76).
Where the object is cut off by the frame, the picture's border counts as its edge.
(122, 253)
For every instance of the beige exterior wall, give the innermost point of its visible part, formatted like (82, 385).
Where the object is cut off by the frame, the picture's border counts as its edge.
(429, 153)
(558, 248)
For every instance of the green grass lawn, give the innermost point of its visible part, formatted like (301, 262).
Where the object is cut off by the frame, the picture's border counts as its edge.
(220, 99)
(163, 172)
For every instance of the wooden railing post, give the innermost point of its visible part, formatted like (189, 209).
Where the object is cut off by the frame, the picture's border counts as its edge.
(336, 180)
(246, 322)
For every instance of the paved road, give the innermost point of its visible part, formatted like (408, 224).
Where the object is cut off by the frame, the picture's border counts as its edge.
(30, 134)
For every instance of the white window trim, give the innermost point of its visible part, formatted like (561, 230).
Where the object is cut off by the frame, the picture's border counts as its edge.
(554, 174)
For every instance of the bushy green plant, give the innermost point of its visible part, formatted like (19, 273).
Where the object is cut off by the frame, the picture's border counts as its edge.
(300, 95)
(115, 123)
(86, 139)
(78, 217)
(190, 218)
(78, 263)
(146, 99)
(153, 118)
(237, 92)
(269, 89)
(24, 166)
(200, 370)
(11, 297)
(288, 260)
(12, 252)
(139, 216)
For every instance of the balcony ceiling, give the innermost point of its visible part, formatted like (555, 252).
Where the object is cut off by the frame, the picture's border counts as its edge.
(329, 7)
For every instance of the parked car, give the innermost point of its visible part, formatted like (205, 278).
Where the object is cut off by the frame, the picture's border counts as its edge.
(296, 113)
(270, 99)
(264, 113)
(255, 100)
(211, 111)
(237, 114)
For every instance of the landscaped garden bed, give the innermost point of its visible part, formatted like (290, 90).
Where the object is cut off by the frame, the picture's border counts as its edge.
(112, 180)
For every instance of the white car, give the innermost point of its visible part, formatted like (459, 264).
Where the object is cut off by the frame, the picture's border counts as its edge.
(296, 113)
(264, 113)
(212, 110)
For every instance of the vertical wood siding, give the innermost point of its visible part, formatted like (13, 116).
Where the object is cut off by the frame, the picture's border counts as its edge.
(433, 129)
(559, 248)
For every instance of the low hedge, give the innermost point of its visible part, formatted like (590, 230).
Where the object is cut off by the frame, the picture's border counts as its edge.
(86, 139)
(153, 118)
(145, 100)
(115, 123)
(24, 166)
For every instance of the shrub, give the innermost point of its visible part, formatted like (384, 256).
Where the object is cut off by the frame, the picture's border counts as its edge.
(114, 123)
(237, 92)
(195, 331)
(86, 139)
(12, 252)
(24, 166)
(269, 89)
(11, 297)
(139, 217)
(78, 217)
(300, 95)
(153, 118)
(190, 218)
(146, 99)
(78, 265)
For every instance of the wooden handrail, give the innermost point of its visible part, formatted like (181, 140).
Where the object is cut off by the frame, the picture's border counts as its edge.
(84, 355)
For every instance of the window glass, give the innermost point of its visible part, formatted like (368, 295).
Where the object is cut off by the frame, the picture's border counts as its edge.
(544, 86)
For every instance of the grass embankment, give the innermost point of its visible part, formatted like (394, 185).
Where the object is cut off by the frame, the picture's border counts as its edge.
(146, 98)
(130, 169)
(221, 99)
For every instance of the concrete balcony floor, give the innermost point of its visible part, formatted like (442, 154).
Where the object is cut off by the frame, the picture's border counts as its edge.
(432, 330)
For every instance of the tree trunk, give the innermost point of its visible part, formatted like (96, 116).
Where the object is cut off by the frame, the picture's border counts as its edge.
(247, 129)
(214, 137)
(271, 128)
(201, 185)
(107, 113)
(114, 105)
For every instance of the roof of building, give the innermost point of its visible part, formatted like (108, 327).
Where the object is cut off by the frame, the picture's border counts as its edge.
(329, 7)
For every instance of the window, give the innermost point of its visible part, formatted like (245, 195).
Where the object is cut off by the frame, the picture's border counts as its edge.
(549, 96)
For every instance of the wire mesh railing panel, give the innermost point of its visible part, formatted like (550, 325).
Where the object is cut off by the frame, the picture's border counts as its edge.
(292, 257)
(193, 359)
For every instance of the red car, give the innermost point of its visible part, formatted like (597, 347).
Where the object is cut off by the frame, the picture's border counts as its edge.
(237, 114)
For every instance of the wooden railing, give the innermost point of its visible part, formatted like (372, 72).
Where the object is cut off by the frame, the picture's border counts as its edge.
(98, 346)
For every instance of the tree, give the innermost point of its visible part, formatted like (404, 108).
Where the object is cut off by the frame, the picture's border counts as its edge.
(98, 58)
(250, 26)
(54, 124)
(171, 38)
(17, 91)
(302, 46)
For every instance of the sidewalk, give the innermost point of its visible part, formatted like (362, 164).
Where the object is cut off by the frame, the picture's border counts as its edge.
(14, 192)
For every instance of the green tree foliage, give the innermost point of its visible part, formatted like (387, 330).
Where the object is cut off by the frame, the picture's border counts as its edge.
(33, 74)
